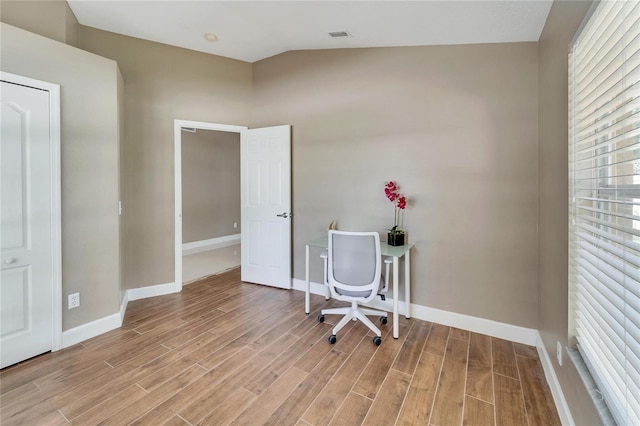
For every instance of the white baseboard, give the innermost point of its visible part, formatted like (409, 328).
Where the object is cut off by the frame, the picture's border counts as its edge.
(514, 333)
(213, 243)
(90, 329)
(151, 291)
(505, 331)
(554, 384)
(489, 327)
(111, 322)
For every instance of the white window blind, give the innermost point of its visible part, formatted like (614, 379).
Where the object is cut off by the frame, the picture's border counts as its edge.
(604, 205)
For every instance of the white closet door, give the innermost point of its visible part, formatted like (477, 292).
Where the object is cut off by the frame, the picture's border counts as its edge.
(26, 285)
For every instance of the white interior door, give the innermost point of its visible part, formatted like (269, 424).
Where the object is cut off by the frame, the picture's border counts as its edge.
(265, 156)
(26, 285)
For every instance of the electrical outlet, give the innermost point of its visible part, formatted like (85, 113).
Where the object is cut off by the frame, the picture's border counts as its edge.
(559, 353)
(74, 300)
(235, 225)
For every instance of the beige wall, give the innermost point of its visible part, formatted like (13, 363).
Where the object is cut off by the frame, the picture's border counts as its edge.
(49, 18)
(89, 161)
(455, 126)
(210, 184)
(564, 19)
(163, 83)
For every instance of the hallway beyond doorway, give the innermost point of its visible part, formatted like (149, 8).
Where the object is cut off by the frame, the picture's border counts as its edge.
(211, 262)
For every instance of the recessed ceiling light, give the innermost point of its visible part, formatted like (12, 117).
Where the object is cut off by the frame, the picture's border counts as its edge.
(211, 37)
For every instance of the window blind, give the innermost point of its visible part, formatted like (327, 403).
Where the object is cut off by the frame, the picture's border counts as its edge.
(604, 205)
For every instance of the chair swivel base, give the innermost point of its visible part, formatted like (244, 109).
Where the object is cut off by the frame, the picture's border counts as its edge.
(355, 313)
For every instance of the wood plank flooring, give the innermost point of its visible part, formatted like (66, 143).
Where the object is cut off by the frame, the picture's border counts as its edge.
(228, 352)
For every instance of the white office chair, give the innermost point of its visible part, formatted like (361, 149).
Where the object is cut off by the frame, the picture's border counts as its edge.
(353, 273)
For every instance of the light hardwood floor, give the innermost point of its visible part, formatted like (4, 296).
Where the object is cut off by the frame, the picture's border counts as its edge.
(227, 352)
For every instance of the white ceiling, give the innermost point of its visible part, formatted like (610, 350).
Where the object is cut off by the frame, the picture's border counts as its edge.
(254, 30)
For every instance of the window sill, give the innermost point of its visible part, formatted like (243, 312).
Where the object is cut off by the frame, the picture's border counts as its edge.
(590, 385)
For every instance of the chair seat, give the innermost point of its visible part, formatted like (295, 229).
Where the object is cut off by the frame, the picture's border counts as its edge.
(361, 294)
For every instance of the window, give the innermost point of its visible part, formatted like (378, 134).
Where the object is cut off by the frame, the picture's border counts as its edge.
(604, 205)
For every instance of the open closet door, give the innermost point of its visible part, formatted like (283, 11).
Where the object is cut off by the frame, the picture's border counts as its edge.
(265, 163)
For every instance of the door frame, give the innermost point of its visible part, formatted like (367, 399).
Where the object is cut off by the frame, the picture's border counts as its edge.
(56, 197)
(178, 125)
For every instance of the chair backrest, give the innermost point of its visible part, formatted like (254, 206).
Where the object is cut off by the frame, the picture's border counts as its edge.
(355, 264)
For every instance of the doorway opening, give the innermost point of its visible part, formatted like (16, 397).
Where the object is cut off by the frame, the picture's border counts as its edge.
(210, 203)
(207, 199)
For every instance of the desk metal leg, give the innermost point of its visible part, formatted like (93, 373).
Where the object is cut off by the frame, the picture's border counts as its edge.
(307, 291)
(396, 328)
(407, 283)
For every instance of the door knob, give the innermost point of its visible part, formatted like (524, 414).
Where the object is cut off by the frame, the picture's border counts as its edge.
(285, 215)
(10, 261)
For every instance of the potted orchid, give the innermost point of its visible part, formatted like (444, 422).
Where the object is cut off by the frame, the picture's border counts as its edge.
(395, 236)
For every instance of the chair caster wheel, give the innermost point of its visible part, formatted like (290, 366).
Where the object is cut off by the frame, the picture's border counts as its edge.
(377, 340)
(320, 318)
(383, 320)
(332, 339)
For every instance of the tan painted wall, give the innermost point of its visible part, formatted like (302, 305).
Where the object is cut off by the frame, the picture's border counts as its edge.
(89, 151)
(455, 126)
(49, 18)
(71, 26)
(163, 83)
(563, 20)
(210, 184)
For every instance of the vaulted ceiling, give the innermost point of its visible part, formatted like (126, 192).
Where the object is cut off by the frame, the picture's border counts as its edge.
(254, 30)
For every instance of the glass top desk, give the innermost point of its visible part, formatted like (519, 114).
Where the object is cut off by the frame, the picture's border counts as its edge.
(396, 252)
